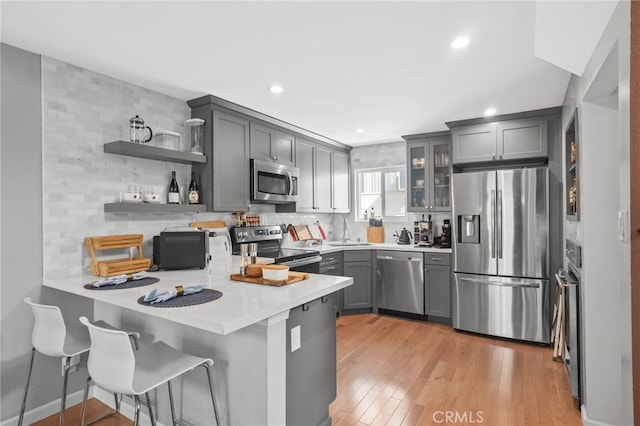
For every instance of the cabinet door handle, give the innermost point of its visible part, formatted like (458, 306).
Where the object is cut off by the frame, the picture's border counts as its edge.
(437, 259)
(305, 307)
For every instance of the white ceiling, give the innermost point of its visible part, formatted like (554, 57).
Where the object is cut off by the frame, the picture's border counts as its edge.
(384, 66)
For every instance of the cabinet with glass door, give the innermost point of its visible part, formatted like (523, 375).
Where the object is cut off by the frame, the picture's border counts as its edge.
(429, 171)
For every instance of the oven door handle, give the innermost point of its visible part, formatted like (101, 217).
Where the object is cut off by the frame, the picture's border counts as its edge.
(301, 262)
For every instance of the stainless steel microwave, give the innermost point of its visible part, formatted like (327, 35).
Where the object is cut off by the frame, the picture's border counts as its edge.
(273, 183)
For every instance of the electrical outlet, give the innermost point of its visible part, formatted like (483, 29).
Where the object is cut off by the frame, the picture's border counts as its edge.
(295, 338)
(73, 364)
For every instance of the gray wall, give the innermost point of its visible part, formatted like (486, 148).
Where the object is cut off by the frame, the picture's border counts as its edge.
(21, 224)
(602, 100)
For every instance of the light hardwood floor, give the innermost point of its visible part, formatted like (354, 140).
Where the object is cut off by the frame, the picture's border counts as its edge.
(394, 371)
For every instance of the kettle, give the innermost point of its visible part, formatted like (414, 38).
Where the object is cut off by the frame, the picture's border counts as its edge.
(137, 130)
(404, 237)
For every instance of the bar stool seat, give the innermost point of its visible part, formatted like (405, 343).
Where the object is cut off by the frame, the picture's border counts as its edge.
(116, 367)
(51, 337)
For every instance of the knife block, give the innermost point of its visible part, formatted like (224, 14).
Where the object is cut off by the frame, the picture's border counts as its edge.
(375, 234)
(108, 268)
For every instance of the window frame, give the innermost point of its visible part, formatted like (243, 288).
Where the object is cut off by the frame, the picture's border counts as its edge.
(359, 210)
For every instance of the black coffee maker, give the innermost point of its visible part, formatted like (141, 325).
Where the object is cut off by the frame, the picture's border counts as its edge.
(445, 237)
(426, 232)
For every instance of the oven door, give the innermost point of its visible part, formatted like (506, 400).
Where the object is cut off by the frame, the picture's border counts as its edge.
(307, 264)
(273, 183)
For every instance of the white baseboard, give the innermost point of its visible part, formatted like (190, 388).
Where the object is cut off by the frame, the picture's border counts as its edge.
(38, 413)
(586, 421)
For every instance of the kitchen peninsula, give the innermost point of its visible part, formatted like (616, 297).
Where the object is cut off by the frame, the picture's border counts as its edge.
(245, 332)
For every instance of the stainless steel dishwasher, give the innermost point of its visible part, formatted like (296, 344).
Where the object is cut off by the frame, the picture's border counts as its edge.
(400, 281)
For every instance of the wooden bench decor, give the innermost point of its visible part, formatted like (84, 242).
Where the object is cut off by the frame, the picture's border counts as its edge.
(107, 268)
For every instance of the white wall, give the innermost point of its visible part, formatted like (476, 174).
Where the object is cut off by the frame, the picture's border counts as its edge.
(602, 100)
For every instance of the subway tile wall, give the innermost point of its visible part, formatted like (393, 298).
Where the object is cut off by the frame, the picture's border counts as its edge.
(82, 110)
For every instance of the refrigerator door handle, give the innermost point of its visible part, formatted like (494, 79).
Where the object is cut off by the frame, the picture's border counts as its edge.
(493, 219)
(499, 222)
(500, 284)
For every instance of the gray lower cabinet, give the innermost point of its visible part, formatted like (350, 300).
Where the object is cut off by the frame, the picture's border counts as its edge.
(311, 369)
(225, 178)
(357, 265)
(508, 140)
(271, 144)
(437, 285)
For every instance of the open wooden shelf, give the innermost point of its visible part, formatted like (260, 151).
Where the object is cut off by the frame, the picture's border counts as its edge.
(154, 208)
(152, 152)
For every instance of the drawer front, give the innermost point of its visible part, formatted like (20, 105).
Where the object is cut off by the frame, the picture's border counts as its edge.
(330, 259)
(437, 259)
(357, 256)
(334, 269)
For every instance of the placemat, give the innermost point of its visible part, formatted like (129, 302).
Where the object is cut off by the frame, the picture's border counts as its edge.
(129, 284)
(203, 296)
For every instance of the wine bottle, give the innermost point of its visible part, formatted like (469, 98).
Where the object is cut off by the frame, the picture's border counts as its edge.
(194, 191)
(174, 192)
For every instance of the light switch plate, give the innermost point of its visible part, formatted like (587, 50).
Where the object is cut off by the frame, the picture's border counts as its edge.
(295, 338)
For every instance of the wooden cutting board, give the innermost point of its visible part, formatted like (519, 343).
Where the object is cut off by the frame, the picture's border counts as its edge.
(294, 277)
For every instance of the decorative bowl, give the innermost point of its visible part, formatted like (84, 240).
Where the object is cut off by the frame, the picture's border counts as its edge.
(131, 197)
(151, 198)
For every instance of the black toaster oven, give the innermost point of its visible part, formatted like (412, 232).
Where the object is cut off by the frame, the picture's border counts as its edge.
(180, 250)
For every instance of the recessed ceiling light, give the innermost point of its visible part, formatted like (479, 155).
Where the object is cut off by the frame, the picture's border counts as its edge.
(460, 42)
(359, 130)
(490, 111)
(275, 89)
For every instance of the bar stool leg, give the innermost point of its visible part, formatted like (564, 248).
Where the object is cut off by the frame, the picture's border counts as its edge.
(213, 398)
(26, 389)
(136, 416)
(67, 362)
(173, 410)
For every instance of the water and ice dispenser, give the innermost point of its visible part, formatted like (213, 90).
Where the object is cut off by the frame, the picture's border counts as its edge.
(468, 228)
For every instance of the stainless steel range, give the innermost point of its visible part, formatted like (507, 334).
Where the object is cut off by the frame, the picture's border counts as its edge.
(269, 239)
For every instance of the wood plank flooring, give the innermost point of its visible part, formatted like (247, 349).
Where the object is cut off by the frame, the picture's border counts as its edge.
(394, 371)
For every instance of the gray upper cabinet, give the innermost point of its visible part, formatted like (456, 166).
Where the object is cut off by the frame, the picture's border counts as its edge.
(428, 172)
(341, 186)
(305, 162)
(472, 144)
(230, 163)
(225, 178)
(323, 185)
(508, 140)
(519, 139)
(270, 144)
(323, 188)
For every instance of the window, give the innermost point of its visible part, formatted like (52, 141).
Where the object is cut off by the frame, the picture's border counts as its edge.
(384, 189)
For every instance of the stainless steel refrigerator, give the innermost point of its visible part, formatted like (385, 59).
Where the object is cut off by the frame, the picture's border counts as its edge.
(501, 253)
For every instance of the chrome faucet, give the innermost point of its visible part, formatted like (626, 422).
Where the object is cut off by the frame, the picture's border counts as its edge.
(345, 231)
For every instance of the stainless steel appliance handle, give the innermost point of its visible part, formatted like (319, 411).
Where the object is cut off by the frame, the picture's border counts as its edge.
(499, 220)
(301, 262)
(500, 284)
(290, 191)
(493, 227)
(412, 259)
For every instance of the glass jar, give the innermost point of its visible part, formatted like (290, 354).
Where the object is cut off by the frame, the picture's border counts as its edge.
(196, 127)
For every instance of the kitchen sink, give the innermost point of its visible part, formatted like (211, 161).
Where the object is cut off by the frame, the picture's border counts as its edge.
(348, 243)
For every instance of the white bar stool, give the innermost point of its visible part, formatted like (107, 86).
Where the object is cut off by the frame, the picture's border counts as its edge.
(116, 367)
(52, 338)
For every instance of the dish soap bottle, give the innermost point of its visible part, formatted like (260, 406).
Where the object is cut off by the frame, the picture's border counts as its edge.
(372, 214)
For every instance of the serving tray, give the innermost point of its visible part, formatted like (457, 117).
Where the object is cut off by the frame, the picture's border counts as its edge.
(294, 277)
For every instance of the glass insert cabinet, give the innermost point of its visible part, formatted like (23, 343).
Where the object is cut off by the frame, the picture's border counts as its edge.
(429, 172)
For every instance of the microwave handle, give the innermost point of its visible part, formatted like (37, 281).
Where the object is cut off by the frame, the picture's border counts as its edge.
(290, 191)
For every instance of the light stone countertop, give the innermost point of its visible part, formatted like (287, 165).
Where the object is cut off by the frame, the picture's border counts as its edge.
(328, 247)
(241, 305)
